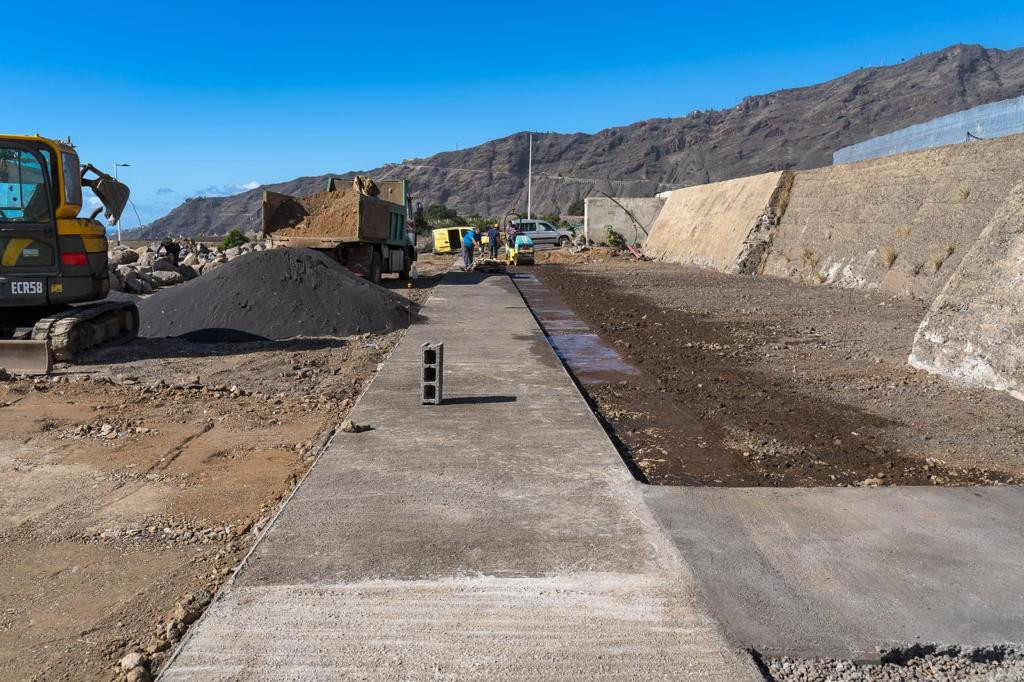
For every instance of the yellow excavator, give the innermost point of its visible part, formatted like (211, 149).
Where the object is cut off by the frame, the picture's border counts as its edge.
(53, 263)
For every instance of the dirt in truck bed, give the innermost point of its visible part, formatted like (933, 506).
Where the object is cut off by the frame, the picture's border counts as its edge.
(765, 382)
(325, 214)
(133, 483)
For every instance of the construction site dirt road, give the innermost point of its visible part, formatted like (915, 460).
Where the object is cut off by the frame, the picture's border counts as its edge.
(135, 482)
(765, 382)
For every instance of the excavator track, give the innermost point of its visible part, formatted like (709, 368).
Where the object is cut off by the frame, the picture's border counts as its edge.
(76, 330)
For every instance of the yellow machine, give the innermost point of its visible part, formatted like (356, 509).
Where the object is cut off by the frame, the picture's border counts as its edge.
(449, 239)
(521, 253)
(52, 260)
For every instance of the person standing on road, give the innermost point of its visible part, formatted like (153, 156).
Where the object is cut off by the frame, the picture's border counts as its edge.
(493, 236)
(510, 235)
(471, 240)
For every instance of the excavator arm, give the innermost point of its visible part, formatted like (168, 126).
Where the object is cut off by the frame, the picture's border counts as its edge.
(111, 193)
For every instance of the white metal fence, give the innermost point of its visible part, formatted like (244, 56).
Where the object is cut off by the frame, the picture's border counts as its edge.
(982, 122)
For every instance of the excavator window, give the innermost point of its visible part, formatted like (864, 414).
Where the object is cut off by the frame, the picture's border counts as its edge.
(23, 195)
(72, 179)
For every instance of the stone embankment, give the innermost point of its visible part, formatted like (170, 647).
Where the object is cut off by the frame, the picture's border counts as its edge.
(939, 225)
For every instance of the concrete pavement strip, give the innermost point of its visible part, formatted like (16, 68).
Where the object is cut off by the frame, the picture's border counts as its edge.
(845, 572)
(498, 536)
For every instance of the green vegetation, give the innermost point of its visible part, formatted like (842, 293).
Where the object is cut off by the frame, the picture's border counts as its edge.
(232, 239)
(575, 208)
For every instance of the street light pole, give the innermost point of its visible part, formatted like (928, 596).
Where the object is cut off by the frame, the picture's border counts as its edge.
(529, 183)
(116, 166)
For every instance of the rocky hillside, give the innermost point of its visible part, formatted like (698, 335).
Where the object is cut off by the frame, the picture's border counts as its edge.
(795, 128)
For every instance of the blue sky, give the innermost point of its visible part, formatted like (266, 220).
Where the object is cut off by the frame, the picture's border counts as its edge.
(205, 98)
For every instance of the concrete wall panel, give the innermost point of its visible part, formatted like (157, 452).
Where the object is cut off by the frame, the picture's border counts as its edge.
(707, 225)
(600, 212)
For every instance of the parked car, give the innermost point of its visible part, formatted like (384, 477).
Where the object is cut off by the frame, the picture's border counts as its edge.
(543, 232)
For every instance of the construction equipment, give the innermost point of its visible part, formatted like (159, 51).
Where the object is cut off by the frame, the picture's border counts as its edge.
(521, 253)
(51, 260)
(361, 223)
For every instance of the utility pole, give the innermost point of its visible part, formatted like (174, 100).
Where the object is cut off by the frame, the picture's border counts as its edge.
(529, 183)
(116, 166)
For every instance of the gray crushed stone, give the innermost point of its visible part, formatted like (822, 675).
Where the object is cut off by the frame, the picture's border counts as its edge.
(274, 294)
(1003, 663)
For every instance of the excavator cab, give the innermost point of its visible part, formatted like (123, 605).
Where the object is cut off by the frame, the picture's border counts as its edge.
(51, 260)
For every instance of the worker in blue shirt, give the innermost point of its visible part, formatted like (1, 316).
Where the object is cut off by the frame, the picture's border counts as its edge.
(493, 237)
(471, 240)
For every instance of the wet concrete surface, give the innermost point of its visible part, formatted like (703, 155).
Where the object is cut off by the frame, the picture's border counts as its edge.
(589, 358)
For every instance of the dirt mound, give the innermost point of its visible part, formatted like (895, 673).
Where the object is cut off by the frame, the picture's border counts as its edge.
(595, 254)
(324, 214)
(275, 294)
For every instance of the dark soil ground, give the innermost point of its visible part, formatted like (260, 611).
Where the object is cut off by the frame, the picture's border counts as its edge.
(764, 382)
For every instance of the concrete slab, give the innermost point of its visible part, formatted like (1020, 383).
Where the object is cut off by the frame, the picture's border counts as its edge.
(840, 572)
(496, 536)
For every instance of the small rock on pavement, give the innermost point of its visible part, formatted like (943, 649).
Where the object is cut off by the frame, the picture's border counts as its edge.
(349, 426)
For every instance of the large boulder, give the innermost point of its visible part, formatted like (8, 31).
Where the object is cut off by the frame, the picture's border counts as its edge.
(115, 282)
(127, 272)
(233, 252)
(166, 278)
(190, 260)
(187, 271)
(122, 255)
(163, 265)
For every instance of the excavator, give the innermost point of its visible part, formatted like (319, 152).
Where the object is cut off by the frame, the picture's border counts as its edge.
(53, 263)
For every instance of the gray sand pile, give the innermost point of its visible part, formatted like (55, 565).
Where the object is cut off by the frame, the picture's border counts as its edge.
(275, 294)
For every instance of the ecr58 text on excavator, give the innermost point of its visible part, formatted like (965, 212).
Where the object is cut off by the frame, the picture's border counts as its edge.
(53, 263)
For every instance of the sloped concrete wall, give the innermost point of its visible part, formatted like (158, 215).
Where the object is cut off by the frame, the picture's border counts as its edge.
(707, 225)
(900, 223)
(974, 330)
(600, 212)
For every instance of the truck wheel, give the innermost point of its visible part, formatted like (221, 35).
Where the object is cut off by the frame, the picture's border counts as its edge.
(375, 267)
(563, 241)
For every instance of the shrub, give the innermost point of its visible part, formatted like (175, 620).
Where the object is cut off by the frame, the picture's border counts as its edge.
(888, 256)
(613, 238)
(232, 239)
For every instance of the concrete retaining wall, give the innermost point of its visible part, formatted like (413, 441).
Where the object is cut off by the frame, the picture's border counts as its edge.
(600, 212)
(974, 328)
(708, 225)
(900, 223)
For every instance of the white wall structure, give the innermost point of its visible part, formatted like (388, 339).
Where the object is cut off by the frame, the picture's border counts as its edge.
(632, 217)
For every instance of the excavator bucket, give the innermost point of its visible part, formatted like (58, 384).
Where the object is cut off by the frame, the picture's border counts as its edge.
(111, 193)
(26, 356)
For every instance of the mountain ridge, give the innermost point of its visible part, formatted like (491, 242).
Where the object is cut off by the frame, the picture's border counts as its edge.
(792, 128)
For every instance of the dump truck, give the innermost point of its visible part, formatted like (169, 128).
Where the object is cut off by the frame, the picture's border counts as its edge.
(361, 223)
(53, 263)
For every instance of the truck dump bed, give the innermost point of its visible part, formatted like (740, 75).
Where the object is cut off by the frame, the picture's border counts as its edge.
(327, 219)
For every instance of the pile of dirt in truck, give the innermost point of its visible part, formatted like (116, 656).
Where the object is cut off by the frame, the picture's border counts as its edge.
(275, 294)
(325, 214)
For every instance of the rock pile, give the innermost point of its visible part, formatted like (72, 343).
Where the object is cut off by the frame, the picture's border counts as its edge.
(142, 271)
(926, 662)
